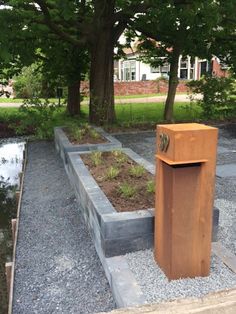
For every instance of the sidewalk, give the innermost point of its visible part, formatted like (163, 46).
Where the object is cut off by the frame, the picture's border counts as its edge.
(151, 99)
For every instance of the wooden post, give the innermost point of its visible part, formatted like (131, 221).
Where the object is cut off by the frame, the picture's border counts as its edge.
(8, 269)
(17, 196)
(13, 229)
(20, 175)
(186, 161)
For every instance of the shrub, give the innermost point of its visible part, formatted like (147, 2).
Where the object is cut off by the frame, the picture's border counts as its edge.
(127, 190)
(38, 117)
(29, 82)
(216, 99)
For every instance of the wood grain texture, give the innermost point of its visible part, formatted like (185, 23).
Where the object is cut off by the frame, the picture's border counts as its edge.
(184, 200)
(223, 302)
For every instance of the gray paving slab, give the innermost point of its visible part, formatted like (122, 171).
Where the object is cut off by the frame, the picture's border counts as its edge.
(223, 150)
(224, 171)
(57, 267)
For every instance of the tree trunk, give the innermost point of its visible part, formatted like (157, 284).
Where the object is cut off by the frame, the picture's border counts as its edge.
(173, 83)
(101, 107)
(73, 101)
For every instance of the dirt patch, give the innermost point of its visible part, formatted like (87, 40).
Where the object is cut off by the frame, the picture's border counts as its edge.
(86, 138)
(142, 198)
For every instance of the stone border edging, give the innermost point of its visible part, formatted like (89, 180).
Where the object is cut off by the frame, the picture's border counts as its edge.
(63, 145)
(104, 223)
(115, 233)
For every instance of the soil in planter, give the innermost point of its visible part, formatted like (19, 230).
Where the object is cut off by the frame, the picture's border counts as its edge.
(86, 138)
(142, 199)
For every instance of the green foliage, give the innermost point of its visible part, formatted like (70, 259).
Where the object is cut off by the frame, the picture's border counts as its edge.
(137, 171)
(127, 190)
(29, 82)
(216, 99)
(78, 133)
(38, 117)
(151, 186)
(94, 134)
(96, 158)
(112, 173)
(120, 157)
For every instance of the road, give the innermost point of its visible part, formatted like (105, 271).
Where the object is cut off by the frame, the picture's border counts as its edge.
(151, 99)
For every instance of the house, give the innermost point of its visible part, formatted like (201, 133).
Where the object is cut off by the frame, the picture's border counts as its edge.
(132, 69)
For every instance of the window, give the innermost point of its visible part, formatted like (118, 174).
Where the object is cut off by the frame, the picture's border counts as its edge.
(128, 72)
(187, 69)
(192, 68)
(165, 68)
(155, 70)
(184, 69)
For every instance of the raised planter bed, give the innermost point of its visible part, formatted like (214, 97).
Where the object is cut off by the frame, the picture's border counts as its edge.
(114, 233)
(63, 144)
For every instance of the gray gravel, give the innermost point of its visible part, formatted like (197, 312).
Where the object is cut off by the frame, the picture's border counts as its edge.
(156, 286)
(57, 268)
(227, 224)
(152, 280)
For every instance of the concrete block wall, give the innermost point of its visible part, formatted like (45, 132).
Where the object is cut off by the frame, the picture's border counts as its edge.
(113, 233)
(63, 145)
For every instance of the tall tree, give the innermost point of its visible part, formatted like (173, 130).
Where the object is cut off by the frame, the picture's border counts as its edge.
(177, 28)
(23, 42)
(65, 65)
(97, 24)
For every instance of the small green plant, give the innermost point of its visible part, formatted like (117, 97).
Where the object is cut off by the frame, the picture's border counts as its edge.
(120, 157)
(112, 173)
(150, 186)
(94, 134)
(137, 171)
(96, 158)
(127, 190)
(78, 134)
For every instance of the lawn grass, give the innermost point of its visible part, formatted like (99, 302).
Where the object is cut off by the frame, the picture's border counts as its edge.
(135, 113)
(153, 112)
(128, 113)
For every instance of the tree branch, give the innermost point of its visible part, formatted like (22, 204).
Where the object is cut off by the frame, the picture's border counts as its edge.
(55, 28)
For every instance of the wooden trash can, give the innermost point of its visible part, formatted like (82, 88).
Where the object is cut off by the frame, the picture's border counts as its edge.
(186, 161)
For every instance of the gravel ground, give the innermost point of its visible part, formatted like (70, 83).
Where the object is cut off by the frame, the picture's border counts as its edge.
(227, 224)
(152, 280)
(57, 268)
(156, 286)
